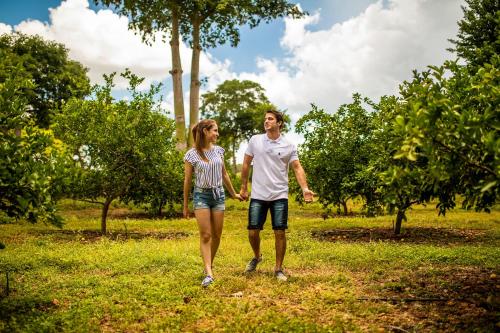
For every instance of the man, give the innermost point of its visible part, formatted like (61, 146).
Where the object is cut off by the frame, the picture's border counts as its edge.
(271, 154)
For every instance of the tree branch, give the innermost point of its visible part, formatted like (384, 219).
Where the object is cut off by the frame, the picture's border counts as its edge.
(464, 158)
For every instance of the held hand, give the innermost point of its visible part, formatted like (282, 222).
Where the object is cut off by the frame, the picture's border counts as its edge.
(185, 212)
(308, 195)
(238, 197)
(244, 194)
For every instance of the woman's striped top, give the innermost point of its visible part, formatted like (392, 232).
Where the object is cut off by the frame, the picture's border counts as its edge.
(207, 174)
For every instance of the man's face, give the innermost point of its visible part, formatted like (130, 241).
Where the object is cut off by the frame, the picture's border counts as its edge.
(270, 122)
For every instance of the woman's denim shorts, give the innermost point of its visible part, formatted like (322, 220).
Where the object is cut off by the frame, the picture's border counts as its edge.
(209, 198)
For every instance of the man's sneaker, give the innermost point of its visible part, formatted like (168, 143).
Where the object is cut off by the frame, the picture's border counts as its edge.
(280, 275)
(207, 281)
(252, 265)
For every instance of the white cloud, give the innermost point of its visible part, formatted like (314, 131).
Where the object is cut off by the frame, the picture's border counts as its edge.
(5, 29)
(102, 42)
(371, 54)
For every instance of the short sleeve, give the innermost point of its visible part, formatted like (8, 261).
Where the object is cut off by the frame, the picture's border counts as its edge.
(190, 157)
(250, 147)
(294, 156)
(221, 152)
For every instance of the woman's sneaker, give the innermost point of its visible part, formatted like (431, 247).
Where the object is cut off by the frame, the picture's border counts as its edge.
(207, 281)
(252, 265)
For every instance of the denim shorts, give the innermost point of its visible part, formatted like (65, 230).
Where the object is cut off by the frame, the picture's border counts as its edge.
(208, 198)
(257, 214)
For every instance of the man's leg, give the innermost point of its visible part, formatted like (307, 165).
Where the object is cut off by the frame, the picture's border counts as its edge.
(279, 216)
(280, 244)
(254, 238)
(256, 217)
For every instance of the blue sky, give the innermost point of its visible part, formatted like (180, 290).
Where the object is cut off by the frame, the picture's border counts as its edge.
(342, 47)
(266, 35)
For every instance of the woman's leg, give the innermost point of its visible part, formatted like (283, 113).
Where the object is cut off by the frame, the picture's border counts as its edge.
(217, 222)
(204, 226)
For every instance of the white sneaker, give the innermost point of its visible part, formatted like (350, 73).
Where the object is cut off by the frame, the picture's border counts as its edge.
(280, 275)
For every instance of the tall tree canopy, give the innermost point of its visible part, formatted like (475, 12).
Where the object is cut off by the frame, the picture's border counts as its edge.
(201, 23)
(56, 78)
(478, 39)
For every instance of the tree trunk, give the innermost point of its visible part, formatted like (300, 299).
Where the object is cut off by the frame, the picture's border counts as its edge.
(344, 205)
(399, 220)
(160, 206)
(234, 158)
(180, 122)
(194, 93)
(104, 215)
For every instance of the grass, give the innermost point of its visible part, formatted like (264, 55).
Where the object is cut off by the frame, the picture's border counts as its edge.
(440, 275)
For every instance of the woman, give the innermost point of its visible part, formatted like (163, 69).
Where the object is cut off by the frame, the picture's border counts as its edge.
(206, 160)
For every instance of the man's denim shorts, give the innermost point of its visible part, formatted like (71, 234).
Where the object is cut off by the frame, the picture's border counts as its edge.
(209, 198)
(258, 211)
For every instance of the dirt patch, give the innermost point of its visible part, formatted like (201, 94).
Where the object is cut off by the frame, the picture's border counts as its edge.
(447, 300)
(417, 235)
(86, 236)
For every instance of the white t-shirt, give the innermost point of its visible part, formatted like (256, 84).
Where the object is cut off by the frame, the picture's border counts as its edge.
(271, 159)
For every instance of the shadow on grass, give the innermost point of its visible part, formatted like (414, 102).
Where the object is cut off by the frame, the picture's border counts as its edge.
(414, 235)
(15, 311)
(87, 236)
(450, 299)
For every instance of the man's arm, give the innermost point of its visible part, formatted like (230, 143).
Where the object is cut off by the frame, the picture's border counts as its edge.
(245, 170)
(301, 179)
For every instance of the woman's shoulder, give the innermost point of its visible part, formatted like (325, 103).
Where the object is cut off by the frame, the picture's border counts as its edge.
(191, 154)
(190, 151)
(219, 149)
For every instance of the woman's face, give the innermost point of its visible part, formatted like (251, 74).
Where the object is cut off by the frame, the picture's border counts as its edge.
(212, 134)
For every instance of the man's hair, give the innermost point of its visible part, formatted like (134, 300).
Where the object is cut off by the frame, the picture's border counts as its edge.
(278, 115)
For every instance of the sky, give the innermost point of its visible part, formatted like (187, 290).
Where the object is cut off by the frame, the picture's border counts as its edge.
(340, 48)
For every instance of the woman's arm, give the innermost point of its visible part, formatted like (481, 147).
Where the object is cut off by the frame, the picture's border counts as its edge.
(188, 176)
(229, 184)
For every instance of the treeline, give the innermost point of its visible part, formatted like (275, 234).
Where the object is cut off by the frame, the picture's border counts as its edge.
(60, 137)
(438, 140)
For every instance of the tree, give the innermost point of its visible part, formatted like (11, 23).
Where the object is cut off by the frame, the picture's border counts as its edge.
(238, 108)
(56, 78)
(478, 38)
(29, 162)
(149, 17)
(336, 151)
(121, 148)
(201, 23)
(212, 23)
(402, 182)
(451, 119)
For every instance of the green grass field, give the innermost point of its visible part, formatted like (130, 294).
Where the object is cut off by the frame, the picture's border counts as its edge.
(346, 274)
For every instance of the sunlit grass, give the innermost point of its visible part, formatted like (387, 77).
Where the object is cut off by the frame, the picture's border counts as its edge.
(74, 282)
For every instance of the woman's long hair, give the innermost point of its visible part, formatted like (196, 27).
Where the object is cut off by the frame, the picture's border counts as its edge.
(199, 136)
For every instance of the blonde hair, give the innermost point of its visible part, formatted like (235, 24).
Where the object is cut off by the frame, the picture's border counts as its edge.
(199, 136)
